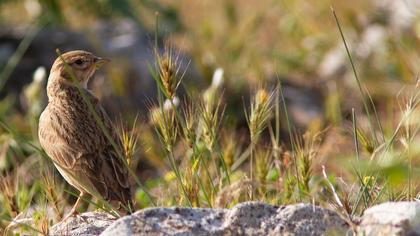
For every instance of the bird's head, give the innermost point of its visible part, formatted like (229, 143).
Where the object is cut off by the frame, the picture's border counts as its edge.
(80, 64)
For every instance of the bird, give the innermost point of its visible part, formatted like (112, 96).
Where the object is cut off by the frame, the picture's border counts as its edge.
(72, 136)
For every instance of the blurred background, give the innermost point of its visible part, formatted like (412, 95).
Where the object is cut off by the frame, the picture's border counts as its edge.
(253, 41)
(256, 44)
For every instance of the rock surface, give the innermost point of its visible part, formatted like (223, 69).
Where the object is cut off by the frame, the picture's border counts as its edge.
(86, 224)
(391, 218)
(251, 218)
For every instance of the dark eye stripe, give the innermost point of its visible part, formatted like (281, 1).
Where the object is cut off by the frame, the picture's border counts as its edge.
(78, 62)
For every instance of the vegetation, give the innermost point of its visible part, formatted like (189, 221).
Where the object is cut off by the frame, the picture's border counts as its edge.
(214, 143)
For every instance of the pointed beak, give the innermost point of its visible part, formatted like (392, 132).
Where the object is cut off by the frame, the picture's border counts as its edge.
(99, 62)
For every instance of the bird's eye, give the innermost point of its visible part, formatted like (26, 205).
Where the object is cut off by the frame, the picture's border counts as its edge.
(78, 62)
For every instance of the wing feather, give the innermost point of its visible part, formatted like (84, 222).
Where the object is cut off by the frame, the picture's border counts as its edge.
(93, 160)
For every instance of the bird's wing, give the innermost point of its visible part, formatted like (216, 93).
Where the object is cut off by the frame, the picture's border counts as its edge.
(114, 156)
(98, 168)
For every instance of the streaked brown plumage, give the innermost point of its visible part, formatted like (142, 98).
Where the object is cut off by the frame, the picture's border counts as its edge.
(72, 137)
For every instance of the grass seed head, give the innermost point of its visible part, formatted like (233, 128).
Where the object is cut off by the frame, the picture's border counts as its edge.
(168, 64)
(261, 96)
(129, 140)
(167, 75)
(307, 148)
(263, 159)
(210, 118)
(8, 187)
(229, 145)
(51, 193)
(165, 123)
(41, 221)
(191, 116)
(260, 114)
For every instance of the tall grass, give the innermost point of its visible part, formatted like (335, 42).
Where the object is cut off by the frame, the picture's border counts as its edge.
(203, 152)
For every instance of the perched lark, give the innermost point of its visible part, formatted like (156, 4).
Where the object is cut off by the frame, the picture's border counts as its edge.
(72, 137)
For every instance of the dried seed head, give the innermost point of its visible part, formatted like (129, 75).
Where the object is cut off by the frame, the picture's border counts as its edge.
(210, 98)
(167, 74)
(52, 191)
(191, 187)
(168, 64)
(41, 220)
(129, 141)
(210, 117)
(261, 96)
(155, 115)
(263, 159)
(190, 123)
(306, 148)
(229, 144)
(261, 106)
(8, 187)
(165, 123)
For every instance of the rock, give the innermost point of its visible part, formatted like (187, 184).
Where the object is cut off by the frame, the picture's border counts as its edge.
(391, 218)
(89, 223)
(250, 218)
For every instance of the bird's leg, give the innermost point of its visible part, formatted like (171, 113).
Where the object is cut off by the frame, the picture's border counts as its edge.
(73, 210)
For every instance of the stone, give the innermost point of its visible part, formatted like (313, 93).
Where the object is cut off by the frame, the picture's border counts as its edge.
(391, 218)
(250, 218)
(86, 224)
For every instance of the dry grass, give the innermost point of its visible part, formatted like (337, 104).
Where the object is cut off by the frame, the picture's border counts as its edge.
(215, 145)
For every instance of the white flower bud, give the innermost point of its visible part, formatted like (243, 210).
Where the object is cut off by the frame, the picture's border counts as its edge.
(33, 7)
(39, 74)
(217, 79)
(168, 104)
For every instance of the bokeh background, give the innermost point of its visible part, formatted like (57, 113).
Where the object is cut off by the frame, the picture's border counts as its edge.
(253, 41)
(256, 44)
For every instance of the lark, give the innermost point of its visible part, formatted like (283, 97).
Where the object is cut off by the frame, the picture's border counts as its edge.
(72, 136)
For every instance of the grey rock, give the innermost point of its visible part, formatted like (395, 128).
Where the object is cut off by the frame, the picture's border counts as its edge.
(89, 223)
(250, 218)
(391, 218)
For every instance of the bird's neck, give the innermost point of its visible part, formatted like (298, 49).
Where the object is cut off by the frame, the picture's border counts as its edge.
(59, 88)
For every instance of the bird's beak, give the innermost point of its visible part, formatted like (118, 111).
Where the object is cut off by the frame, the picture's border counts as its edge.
(99, 62)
